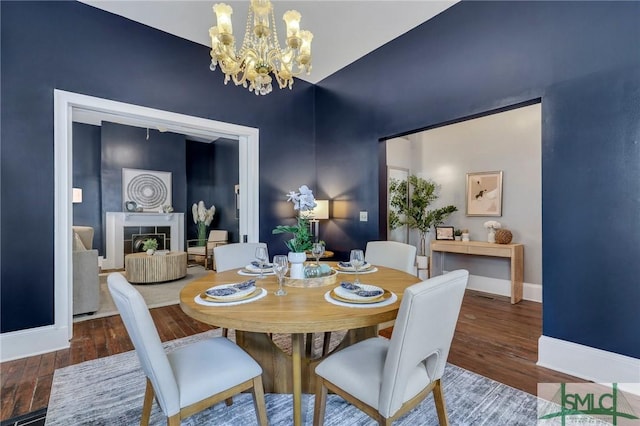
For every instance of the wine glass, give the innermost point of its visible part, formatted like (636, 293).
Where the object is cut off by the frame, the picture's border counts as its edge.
(317, 250)
(357, 260)
(280, 267)
(262, 256)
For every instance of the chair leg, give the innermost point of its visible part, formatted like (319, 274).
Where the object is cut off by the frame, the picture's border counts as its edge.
(228, 402)
(225, 332)
(441, 409)
(326, 343)
(174, 420)
(321, 402)
(146, 405)
(258, 401)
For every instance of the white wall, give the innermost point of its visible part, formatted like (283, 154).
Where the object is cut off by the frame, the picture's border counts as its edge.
(508, 141)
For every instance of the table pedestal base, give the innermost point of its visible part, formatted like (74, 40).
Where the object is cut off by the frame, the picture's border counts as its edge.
(295, 373)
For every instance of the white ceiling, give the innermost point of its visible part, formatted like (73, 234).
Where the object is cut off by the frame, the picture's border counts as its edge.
(344, 31)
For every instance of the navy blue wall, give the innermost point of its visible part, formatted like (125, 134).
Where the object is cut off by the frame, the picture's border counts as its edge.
(86, 176)
(212, 173)
(75, 47)
(583, 60)
(580, 58)
(128, 147)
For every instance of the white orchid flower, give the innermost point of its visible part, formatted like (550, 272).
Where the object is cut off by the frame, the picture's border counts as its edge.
(202, 214)
(492, 224)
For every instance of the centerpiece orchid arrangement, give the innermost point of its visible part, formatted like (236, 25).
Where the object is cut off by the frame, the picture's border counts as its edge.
(492, 224)
(202, 217)
(303, 201)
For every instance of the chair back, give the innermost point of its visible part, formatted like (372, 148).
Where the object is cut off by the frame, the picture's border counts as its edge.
(85, 233)
(218, 235)
(236, 255)
(391, 254)
(421, 338)
(144, 335)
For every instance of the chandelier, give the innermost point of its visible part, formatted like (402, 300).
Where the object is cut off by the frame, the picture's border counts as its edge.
(260, 54)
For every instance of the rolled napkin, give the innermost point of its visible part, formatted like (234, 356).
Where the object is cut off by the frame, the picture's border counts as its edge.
(349, 266)
(226, 290)
(245, 285)
(358, 292)
(257, 264)
(349, 286)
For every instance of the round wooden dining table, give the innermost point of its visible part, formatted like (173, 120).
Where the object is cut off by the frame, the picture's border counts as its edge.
(304, 310)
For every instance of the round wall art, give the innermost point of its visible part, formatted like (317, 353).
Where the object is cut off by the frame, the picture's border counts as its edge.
(149, 189)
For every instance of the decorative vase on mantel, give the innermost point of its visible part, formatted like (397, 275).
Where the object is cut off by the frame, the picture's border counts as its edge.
(296, 271)
(492, 235)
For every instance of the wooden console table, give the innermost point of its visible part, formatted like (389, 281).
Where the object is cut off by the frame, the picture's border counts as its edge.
(515, 252)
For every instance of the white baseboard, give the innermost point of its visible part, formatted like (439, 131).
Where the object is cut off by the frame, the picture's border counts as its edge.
(33, 341)
(586, 362)
(532, 292)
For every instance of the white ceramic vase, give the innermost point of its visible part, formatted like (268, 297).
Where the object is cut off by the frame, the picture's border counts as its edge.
(296, 269)
(492, 235)
(150, 252)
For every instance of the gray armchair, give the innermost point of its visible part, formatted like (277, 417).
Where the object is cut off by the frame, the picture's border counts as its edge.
(86, 283)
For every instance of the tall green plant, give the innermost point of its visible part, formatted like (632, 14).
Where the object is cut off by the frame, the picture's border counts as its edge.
(409, 202)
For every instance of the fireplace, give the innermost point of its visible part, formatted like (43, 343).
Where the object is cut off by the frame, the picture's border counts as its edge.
(123, 228)
(137, 242)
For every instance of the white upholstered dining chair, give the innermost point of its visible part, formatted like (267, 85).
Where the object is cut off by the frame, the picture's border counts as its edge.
(190, 378)
(387, 378)
(391, 254)
(233, 256)
(236, 255)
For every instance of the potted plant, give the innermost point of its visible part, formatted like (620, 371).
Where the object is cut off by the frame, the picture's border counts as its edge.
(303, 201)
(409, 201)
(150, 245)
(202, 217)
(457, 234)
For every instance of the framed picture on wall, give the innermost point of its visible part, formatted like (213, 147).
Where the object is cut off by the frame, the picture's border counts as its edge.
(444, 233)
(395, 175)
(149, 189)
(484, 194)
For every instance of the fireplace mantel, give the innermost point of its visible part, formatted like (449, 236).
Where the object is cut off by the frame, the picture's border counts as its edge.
(116, 221)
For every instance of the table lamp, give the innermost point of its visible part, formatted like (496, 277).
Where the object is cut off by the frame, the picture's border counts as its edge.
(320, 211)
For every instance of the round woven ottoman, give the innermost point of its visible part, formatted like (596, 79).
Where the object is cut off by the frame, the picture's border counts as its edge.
(144, 269)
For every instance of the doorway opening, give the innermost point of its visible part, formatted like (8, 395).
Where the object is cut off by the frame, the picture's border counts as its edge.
(508, 140)
(70, 107)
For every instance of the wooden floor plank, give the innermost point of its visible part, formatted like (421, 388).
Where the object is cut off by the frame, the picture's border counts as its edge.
(493, 338)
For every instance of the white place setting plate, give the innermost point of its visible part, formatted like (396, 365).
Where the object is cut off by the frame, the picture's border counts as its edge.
(227, 292)
(231, 294)
(251, 270)
(347, 267)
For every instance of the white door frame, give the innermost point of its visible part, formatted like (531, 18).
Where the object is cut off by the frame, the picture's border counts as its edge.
(38, 340)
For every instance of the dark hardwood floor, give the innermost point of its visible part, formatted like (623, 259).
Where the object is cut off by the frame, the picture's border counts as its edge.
(493, 338)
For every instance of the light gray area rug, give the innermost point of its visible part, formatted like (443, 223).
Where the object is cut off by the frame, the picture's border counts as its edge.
(156, 295)
(109, 391)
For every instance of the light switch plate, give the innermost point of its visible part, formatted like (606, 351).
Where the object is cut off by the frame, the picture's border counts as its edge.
(364, 216)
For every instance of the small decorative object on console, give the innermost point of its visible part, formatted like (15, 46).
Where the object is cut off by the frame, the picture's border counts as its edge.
(491, 226)
(503, 236)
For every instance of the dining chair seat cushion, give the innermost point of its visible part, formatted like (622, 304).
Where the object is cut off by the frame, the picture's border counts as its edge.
(358, 371)
(209, 367)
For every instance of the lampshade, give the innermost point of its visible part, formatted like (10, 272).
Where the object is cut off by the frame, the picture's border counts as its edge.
(321, 210)
(77, 195)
